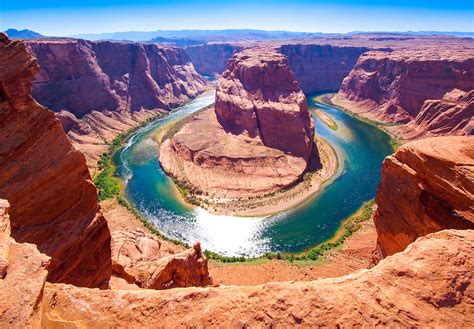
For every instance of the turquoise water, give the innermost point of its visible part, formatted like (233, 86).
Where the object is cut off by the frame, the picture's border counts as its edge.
(361, 149)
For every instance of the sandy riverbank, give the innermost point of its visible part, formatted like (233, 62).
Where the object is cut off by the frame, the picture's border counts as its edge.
(324, 167)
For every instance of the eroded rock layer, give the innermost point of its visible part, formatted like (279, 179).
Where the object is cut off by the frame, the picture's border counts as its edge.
(321, 67)
(46, 180)
(431, 91)
(258, 138)
(211, 59)
(427, 186)
(100, 89)
(81, 76)
(394, 293)
(258, 95)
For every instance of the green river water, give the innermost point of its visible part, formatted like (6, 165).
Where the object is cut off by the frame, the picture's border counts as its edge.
(361, 148)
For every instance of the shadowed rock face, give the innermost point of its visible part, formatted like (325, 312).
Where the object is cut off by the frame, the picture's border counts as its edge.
(46, 180)
(101, 89)
(321, 67)
(258, 95)
(81, 76)
(211, 59)
(427, 186)
(431, 91)
(394, 293)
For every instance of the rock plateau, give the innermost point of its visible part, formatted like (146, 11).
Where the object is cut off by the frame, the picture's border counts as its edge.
(394, 293)
(321, 67)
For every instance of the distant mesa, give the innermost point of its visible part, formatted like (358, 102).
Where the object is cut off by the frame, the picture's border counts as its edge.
(23, 34)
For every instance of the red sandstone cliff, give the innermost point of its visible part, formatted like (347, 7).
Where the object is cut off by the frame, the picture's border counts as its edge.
(81, 76)
(321, 67)
(258, 95)
(427, 186)
(100, 89)
(46, 180)
(211, 59)
(429, 90)
(317, 67)
(395, 293)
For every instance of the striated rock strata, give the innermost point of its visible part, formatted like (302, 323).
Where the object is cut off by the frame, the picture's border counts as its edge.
(258, 138)
(100, 89)
(451, 115)
(211, 59)
(81, 76)
(431, 91)
(46, 180)
(321, 67)
(427, 186)
(394, 293)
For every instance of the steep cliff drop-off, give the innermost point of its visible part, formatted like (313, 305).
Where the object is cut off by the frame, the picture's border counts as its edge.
(100, 89)
(211, 59)
(427, 186)
(430, 92)
(257, 140)
(317, 67)
(321, 67)
(395, 293)
(46, 180)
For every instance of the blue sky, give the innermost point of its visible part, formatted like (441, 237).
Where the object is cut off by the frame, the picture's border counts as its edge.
(53, 17)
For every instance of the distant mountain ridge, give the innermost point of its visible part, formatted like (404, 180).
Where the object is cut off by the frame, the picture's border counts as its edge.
(183, 38)
(204, 35)
(23, 34)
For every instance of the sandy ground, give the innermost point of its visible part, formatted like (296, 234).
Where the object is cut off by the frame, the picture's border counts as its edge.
(355, 254)
(289, 198)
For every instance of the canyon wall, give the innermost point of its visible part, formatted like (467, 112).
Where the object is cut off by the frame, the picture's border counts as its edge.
(100, 89)
(430, 91)
(81, 76)
(53, 200)
(427, 186)
(321, 67)
(316, 67)
(211, 59)
(395, 293)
